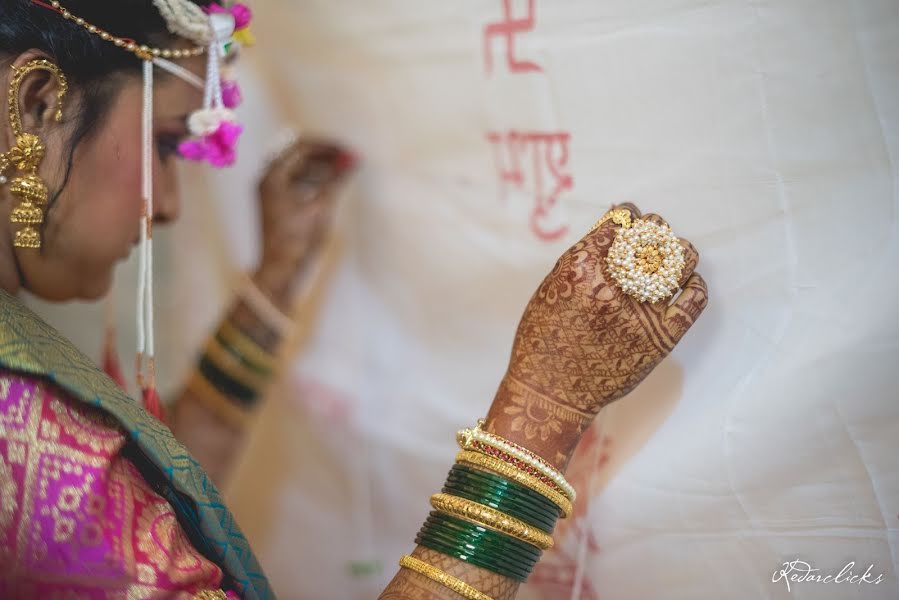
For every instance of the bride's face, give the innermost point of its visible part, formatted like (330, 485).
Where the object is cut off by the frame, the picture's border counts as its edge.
(94, 222)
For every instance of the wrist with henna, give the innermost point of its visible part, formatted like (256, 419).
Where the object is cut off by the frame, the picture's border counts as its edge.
(206, 417)
(276, 281)
(251, 325)
(238, 364)
(582, 344)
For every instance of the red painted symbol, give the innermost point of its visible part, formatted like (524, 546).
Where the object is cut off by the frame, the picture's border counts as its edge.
(508, 29)
(544, 174)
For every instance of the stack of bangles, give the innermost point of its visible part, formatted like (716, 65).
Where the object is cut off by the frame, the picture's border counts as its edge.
(234, 368)
(497, 511)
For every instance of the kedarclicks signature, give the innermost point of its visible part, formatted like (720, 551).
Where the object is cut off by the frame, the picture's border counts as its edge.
(797, 571)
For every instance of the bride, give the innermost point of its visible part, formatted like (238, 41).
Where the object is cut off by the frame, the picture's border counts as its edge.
(98, 497)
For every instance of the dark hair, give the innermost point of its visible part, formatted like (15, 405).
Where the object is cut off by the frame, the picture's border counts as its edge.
(93, 66)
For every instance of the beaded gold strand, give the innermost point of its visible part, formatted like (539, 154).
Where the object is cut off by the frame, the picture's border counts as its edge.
(142, 51)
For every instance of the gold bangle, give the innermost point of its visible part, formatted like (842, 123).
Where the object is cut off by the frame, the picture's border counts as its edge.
(444, 579)
(264, 307)
(232, 366)
(515, 455)
(509, 472)
(491, 518)
(246, 346)
(217, 403)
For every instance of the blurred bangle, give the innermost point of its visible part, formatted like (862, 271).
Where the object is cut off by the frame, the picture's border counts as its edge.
(509, 472)
(253, 353)
(205, 394)
(236, 354)
(225, 384)
(493, 445)
(233, 366)
(491, 518)
(445, 579)
(263, 306)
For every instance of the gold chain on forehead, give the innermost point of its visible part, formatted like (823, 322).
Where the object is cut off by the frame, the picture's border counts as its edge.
(143, 52)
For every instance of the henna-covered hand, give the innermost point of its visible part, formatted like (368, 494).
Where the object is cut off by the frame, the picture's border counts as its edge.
(296, 201)
(583, 343)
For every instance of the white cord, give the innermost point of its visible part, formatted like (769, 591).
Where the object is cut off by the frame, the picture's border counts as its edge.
(212, 97)
(211, 64)
(148, 161)
(186, 19)
(222, 28)
(218, 98)
(142, 264)
(145, 341)
(180, 72)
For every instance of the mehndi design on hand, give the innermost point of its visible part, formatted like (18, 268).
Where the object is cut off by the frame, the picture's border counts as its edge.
(583, 343)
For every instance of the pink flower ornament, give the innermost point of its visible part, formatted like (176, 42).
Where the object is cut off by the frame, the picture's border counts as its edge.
(215, 138)
(231, 95)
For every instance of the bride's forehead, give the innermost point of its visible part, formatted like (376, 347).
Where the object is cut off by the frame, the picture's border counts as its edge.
(195, 65)
(186, 77)
(174, 95)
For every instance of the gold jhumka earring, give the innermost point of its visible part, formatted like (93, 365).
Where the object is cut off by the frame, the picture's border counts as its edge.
(26, 156)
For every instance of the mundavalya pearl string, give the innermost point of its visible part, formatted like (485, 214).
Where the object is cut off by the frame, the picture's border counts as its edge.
(146, 344)
(145, 338)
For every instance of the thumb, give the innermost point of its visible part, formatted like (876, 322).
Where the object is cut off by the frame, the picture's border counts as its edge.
(280, 170)
(603, 233)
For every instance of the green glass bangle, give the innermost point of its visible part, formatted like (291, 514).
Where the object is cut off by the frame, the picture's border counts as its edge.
(500, 503)
(245, 361)
(474, 556)
(488, 540)
(526, 556)
(477, 556)
(483, 494)
(525, 493)
(479, 532)
(504, 557)
(223, 383)
(493, 550)
(505, 495)
(524, 496)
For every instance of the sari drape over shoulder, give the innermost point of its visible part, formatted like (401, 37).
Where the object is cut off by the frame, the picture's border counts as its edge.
(96, 495)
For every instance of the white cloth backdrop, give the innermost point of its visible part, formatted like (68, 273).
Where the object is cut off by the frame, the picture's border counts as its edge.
(766, 131)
